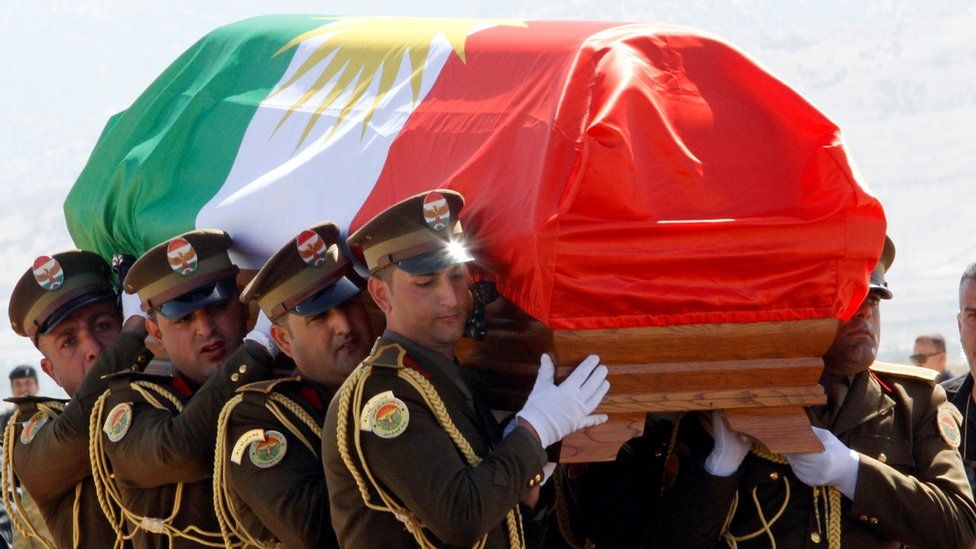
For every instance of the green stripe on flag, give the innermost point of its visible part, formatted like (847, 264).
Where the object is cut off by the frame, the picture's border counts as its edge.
(182, 133)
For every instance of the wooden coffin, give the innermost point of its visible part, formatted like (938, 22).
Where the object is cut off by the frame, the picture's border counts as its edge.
(761, 374)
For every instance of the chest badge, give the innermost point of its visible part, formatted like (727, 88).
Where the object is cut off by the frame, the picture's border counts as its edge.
(268, 452)
(118, 421)
(32, 426)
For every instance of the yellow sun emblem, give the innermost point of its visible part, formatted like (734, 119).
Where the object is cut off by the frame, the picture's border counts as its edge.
(360, 49)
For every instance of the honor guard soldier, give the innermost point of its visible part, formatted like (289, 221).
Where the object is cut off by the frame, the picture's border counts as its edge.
(66, 305)
(152, 443)
(890, 474)
(269, 464)
(413, 457)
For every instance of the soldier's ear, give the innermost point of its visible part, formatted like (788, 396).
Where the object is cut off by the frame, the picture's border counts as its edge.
(380, 292)
(281, 338)
(48, 368)
(153, 329)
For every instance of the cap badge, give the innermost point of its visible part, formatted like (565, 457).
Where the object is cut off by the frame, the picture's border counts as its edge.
(182, 257)
(437, 213)
(270, 451)
(32, 426)
(118, 421)
(48, 273)
(311, 248)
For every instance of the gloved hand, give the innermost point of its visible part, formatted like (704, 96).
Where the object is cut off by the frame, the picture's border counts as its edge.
(729, 451)
(555, 411)
(836, 466)
(131, 306)
(261, 334)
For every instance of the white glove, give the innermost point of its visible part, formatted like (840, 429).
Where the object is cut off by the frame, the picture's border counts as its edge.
(729, 451)
(836, 466)
(131, 306)
(555, 411)
(261, 334)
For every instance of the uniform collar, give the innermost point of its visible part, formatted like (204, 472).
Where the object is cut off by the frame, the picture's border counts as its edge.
(865, 401)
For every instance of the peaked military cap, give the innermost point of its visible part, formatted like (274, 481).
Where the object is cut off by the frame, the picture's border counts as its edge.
(878, 283)
(307, 276)
(183, 274)
(56, 286)
(420, 234)
(23, 371)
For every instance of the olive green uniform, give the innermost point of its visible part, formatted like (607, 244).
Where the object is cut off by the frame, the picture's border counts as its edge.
(53, 465)
(421, 467)
(911, 487)
(279, 496)
(164, 447)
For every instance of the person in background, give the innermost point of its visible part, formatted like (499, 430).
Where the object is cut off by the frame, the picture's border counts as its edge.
(960, 388)
(930, 352)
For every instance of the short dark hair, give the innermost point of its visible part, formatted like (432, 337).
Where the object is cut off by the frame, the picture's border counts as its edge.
(936, 340)
(23, 371)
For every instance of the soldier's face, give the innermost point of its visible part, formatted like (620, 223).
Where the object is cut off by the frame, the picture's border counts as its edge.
(198, 343)
(967, 320)
(327, 347)
(429, 309)
(856, 344)
(23, 386)
(72, 347)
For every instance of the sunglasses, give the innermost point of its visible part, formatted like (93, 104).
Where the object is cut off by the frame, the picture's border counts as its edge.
(921, 358)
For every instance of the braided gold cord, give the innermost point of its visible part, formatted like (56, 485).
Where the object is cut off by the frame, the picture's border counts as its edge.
(563, 521)
(350, 394)
(20, 520)
(227, 517)
(833, 511)
(108, 494)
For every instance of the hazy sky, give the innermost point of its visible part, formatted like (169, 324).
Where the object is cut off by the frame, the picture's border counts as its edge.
(899, 78)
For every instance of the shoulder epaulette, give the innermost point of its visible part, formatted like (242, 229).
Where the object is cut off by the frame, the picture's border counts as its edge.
(267, 386)
(29, 402)
(129, 374)
(902, 370)
(387, 355)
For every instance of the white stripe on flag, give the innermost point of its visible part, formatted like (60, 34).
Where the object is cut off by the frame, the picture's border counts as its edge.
(273, 191)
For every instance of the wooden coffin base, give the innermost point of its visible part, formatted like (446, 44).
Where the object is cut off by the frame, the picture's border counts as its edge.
(762, 375)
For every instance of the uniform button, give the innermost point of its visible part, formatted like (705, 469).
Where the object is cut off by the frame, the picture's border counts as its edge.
(531, 482)
(142, 358)
(882, 458)
(243, 368)
(658, 454)
(538, 478)
(873, 520)
(774, 476)
(235, 377)
(862, 518)
(815, 537)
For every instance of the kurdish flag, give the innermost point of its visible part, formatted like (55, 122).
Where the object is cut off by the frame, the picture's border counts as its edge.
(616, 175)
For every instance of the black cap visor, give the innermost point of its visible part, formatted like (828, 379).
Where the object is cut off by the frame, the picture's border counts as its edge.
(437, 260)
(197, 298)
(881, 290)
(73, 305)
(331, 296)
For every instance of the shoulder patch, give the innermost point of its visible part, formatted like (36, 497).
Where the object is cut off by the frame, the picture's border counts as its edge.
(32, 426)
(390, 355)
(949, 424)
(387, 415)
(901, 370)
(269, 451)
(118, 421)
